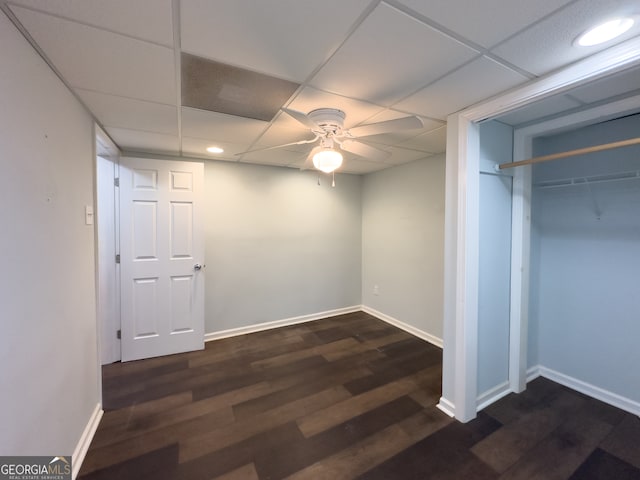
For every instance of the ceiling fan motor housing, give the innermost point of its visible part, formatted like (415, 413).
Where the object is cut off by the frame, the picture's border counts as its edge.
(331, 120)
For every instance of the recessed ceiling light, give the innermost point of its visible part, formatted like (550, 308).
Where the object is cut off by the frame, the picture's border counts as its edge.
(214, 150)
(604, 32)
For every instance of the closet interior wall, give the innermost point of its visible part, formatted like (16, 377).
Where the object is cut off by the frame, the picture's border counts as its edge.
(494, 269)
(585, 262)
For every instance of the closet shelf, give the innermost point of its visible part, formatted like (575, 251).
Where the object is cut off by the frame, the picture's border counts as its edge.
(570, 182)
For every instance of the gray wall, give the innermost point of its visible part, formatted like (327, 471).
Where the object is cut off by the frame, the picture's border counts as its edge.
(48, 353)
(585, 299)
(403, 243)
(278, 245)
(496, 146)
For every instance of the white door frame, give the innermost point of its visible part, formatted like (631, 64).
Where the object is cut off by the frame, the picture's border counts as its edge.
(107, 273)
(462, 233)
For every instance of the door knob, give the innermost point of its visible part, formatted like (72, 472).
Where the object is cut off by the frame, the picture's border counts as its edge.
(197, 267)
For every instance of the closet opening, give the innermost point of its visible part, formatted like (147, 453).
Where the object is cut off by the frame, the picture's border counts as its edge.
(494, 339)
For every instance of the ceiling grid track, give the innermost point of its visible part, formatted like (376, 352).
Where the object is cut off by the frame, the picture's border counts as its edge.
(379, 60)
(306, 82)
(27, 36)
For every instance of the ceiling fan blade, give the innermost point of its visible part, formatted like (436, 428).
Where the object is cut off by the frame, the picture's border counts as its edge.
(364, 150)
(301, 142)
(302, 118)
(308, 163)
(388, 126)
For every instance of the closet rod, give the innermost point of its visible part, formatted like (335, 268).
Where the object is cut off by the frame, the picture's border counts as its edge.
(571, 153)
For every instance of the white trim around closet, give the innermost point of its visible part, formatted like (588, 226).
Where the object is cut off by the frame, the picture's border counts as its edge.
(460, 328)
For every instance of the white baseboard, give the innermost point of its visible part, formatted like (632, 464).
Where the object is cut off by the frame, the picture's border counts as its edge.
(259, 327)
(403, 326)
(533, 373)
(598, 393)
(85, 440)
(492, 395)
(446, 406)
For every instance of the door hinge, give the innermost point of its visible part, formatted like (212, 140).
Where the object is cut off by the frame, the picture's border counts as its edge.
(118, 258)
(119, 334)
(116, 182)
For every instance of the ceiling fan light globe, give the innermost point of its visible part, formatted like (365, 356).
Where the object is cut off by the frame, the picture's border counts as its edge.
(327, 160)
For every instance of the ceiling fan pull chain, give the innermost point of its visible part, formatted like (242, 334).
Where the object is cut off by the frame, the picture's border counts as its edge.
(318, 180)
(333, 182)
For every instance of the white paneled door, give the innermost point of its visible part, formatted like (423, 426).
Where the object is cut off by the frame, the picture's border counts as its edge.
(161, 256)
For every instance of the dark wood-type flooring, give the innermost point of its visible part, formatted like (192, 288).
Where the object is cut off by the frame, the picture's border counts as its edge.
(341, 398)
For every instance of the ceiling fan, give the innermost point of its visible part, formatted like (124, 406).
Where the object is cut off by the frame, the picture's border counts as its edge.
(327, 125)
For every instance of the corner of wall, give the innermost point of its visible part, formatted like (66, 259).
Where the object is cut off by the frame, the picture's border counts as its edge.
(591, 390)
(432, 339)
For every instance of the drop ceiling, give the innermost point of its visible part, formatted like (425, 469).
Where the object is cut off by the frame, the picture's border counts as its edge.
(374, 60)
(618, 86)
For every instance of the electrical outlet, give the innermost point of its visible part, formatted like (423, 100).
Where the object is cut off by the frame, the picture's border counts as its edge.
(376, 290)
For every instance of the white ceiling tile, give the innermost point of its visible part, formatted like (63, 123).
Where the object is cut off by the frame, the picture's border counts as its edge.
(548, 45)
(539, 109)
(487, 22)
(476, 81)
(359, 167)
(112, 111)
(390, 56)
(111, 54)
(220, 127)
(197, 147)
(356, 111)
(120, 16)
(283, 38)
(434, 141)
(280, 156)
(144, 141)
(401, 155)
(611, 86)
(102, 61)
